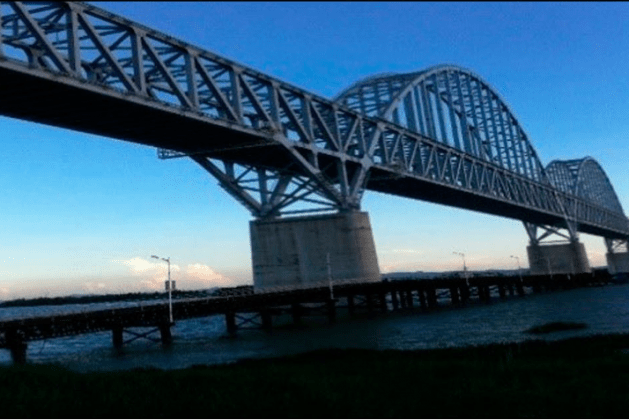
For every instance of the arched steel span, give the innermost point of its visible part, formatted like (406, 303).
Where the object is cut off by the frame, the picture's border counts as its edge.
(453, 106)
(277, 148)
(584, 178)
(456, 107)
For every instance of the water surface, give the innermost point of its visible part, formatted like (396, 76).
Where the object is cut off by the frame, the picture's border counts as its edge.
(203, 340)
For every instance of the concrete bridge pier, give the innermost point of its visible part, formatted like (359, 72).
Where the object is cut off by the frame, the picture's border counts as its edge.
(568, 258)
(618, 262)
(293, 252)
(617, 255)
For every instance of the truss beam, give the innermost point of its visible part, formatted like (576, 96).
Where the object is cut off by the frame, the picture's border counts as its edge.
(330, 148)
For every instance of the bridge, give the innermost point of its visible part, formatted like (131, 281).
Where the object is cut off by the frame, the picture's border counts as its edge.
(298, 162)
(256, 311)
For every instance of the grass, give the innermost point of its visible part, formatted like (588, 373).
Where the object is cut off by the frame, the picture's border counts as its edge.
(580, 378)
(556, 326)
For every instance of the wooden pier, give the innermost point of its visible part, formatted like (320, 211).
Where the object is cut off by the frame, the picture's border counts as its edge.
(258, 310)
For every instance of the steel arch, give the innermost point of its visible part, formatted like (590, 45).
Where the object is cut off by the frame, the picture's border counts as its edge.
(584, 178)
(454, 106)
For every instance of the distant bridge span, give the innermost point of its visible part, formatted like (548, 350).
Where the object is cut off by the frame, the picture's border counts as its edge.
(441, 135)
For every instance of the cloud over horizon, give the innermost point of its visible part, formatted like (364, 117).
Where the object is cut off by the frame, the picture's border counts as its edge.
(152, 275)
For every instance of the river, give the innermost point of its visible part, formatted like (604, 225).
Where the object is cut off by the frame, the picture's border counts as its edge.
(203, 340)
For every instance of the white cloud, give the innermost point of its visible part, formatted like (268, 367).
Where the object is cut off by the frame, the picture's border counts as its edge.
(92, 287)
(403, 251)
(153, 274)
(204, 276)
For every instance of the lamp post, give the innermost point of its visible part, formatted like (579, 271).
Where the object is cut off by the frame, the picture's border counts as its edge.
(462, 255)
(170, 287)
(519, 269)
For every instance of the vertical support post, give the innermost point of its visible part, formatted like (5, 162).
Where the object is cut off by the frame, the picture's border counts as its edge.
(510, 287)
(383, 301)
(267, 320)
(454, 295)
(536, 285)
(331, 306)
(519, 287)
(117, 337)
(17, 346)
(486, 295)
(230, 322)
(409, 298)
(394, 300)
(464, 291)
(501, 289)
(351, 308)
(422, 298)
(166, 334)
(432, 297)
(402, 299)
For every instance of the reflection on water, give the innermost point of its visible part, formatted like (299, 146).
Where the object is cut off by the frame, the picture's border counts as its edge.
(202, 340)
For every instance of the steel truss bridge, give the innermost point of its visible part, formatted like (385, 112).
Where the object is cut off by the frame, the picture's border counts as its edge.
(442, 134)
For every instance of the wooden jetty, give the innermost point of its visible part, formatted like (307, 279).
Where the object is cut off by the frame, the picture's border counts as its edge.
(257, 310)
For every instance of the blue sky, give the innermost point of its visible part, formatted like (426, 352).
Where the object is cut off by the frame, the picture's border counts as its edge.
(82, 213)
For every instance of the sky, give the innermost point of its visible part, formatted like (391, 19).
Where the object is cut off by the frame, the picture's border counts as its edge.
(83, 214)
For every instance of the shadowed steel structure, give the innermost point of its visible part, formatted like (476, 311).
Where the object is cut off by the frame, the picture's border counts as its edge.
(441, 135)
(459, 109)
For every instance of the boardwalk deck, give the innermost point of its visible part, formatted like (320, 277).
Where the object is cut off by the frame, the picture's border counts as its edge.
(381, 296)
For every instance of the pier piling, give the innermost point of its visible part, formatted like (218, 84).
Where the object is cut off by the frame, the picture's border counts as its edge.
(166, 334)
(117, 337)
(17, 346)
(230, 322)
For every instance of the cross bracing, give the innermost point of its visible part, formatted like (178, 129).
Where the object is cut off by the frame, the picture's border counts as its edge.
(442, 135)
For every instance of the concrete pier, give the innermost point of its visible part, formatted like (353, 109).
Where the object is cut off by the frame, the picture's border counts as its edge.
(569, 258)
(293, 252)
(618, 262)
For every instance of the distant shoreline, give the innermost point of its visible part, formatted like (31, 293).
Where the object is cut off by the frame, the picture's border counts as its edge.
(122, 297)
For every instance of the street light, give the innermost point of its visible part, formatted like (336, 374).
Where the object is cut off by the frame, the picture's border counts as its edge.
(519, 269)
(169, 287)
(464, 267)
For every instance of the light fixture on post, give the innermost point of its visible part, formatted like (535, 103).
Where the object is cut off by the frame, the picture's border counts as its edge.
(169, 287)
(519, 269)
(464, 266)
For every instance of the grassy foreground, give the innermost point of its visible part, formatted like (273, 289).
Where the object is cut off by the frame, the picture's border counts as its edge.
(575, 378)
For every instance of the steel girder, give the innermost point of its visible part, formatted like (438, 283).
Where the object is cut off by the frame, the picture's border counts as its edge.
(283, 135)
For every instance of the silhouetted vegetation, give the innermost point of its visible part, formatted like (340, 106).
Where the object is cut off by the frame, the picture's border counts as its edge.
(586, 377)
(122, 297)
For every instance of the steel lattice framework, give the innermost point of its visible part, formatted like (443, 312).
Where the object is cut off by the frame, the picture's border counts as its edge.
(442, 135)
